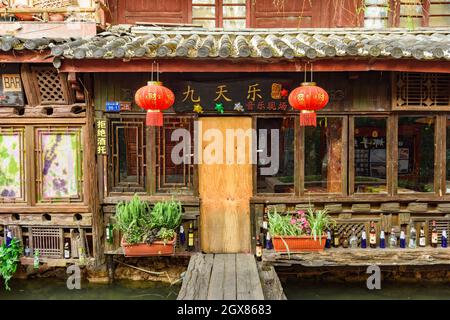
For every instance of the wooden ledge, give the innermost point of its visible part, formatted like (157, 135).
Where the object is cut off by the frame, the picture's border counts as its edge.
(360, 257)
(54, 262)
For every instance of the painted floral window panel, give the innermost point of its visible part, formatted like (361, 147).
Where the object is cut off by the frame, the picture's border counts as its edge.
(11, 164)
(60, 165)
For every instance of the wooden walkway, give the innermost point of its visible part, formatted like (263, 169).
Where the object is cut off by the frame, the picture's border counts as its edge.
(221, 277)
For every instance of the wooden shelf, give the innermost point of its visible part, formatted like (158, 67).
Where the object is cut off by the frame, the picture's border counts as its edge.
(360, 257)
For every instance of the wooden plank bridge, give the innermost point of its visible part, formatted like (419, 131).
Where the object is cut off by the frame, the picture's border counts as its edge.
(222, 277)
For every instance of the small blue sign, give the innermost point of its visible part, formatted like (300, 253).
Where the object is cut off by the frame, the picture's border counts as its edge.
(112, 106)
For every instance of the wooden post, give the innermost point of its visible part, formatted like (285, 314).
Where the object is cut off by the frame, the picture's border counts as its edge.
(334, 146)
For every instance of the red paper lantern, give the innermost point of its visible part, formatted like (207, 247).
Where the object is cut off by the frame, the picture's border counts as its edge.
(308, 98)
(154, 98)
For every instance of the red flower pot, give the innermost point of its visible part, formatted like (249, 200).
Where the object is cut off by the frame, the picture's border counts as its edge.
(296, 244)
(157, 248)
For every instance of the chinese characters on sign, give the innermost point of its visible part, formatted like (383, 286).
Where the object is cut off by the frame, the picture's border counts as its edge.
(101, 136)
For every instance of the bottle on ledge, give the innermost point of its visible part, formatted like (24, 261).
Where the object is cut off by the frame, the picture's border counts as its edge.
(66, 249)
(353, 239)
(344, 240)
(182, 236)
(372, 235)
(444, 239)
(434, 235)
(363, 239)
(258, 251)
(269, 244)
(402, 239)
(336, 240)
(8, 237)
(27, 250)
(265, 226)
(382, 240)
(190, 243)
(422, 238)
(328, 242)
(109, 233)
(412, 236)
(392, 239)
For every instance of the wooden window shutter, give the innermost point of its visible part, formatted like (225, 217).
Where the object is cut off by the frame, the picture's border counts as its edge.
(421, 91)
(51, 86)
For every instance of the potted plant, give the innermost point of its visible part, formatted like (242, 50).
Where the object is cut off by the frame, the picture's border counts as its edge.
(147, 232)
(299, 232)
(9, 260)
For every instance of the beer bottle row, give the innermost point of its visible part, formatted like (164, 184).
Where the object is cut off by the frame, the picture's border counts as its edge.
(381, 240)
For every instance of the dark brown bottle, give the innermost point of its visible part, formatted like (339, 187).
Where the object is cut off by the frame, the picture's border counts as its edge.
(434, 235)
(336, 239)
(258, 251)
(344, 240)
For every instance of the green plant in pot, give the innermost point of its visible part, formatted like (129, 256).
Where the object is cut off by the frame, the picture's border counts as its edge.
(148, 231)
(299, 231)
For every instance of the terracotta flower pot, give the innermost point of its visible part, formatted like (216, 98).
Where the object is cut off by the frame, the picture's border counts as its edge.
(157, 248)
(23, 16)
(298, 244)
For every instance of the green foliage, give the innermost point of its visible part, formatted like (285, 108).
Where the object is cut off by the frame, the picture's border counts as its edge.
(319, 221)
(280, 225)
(166, 214)
(9, 259)
(133, 219)
(140, 224)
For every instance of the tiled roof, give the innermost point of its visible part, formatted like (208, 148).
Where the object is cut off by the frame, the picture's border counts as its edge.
(125, 42)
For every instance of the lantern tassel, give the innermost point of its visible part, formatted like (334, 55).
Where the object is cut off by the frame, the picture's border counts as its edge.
(308, 119)
(154, 118)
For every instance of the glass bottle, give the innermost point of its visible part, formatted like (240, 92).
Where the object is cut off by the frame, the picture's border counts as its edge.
(344, 240)
(269, 244)
(402, 239)
(328, 242)
(190, 238)
(258, 251)
(66, 249)
(392, 239)
(444, 239)
(353, 239)
(336, 240)
(8, 237)
(363, 239)
(382, 240)
(27, 250)
(372, 236)
(412, 236)
(434, 235)
(182, 236)
(422, 238)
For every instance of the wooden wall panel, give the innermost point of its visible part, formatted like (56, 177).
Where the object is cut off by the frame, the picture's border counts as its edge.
(129, 11)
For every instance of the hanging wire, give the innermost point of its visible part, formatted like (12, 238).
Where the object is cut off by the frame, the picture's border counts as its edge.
(304, 76)
(311, 72)
(151, 77)
(157, 71)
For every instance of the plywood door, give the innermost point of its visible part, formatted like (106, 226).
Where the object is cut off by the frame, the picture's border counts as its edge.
(225, 191)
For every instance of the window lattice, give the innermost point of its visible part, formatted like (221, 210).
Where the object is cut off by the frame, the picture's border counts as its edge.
(171, 176)
(424, 91)
(53, 3)
(50, 86)
(48, 241)
(127, 149)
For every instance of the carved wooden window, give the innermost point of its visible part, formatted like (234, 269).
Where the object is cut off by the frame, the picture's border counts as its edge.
(173, 173)
(50, 85)
(219, 13)
(59, 168)
(421, 91)
(12, 165)
(127, 154)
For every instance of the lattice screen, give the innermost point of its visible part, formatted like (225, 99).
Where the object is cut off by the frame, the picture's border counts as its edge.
(54, 3)
(49, 241)
(423, 91)
(348, 227)
(51, 86)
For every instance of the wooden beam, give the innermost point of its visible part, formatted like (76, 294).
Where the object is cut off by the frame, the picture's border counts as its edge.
(254, 65)
(25, 56)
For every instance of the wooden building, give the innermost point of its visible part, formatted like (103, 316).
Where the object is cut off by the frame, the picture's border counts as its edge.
(380, 151)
